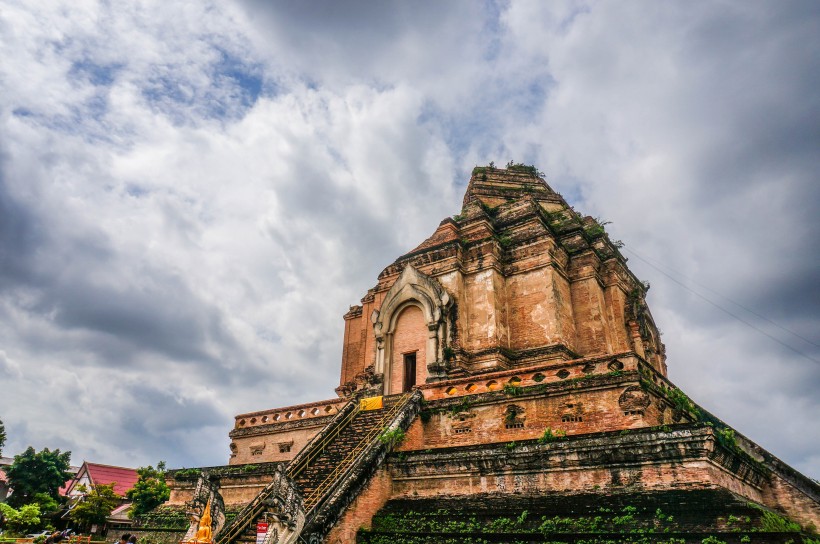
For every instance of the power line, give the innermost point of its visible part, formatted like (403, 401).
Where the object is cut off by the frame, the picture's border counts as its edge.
(656, 265)
(721, 308)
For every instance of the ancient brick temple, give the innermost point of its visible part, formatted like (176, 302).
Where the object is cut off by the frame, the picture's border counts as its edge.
(504, 380)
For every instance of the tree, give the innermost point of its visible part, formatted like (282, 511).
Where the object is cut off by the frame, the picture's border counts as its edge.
(95, 506)
(19, 521)
(46, 502)
(2, 436)
(150, 490)
(32, 473)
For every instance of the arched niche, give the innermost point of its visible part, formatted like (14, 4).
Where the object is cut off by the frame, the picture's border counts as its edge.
(413, 288)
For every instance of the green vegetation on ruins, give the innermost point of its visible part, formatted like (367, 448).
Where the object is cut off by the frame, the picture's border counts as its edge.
(603, 525)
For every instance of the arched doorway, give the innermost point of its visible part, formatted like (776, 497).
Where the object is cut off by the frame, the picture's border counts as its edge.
(414, 313)
(409, 356)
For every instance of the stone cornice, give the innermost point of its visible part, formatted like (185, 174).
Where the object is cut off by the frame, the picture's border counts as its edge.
(244, 432)
(672, 444)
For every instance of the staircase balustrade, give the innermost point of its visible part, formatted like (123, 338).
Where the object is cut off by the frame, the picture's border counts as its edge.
(283, 492)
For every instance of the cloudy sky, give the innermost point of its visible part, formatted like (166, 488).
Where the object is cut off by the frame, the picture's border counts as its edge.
(193, 193)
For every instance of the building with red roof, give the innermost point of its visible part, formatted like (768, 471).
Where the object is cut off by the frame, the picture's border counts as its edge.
(94, 474)
(91, 474)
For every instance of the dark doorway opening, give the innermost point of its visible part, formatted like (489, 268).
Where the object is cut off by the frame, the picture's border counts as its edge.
(409, 371)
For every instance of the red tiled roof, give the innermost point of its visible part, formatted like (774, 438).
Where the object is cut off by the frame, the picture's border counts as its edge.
(122, 478)
(64, 488)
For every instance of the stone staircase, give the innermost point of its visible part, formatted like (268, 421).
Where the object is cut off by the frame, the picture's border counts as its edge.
(316, 476)
(308, 497)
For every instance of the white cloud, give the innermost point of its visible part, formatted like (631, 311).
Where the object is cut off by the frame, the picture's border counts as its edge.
(191, 195)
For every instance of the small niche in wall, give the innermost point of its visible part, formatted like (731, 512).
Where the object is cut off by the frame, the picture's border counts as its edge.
(615, 365)
(284, 447)
(514, 417)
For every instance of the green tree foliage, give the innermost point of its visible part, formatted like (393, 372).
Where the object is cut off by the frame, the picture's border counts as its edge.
(19, 521)
(95, 506)
(2, 436)
(150, 490)
(33, 473)
(46, 502)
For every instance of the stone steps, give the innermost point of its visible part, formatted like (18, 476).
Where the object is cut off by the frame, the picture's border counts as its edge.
(336, 452)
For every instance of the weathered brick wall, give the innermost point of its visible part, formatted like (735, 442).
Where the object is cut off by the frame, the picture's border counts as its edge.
(278, 434)
(796, 504)
(483, 420)
(361, 511)
(352, 350)
(614, 304)
(236, 490)
(648, 460)
(270, 445)
(481, 322)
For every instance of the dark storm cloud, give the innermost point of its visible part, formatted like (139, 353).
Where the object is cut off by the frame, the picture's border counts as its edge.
(167, 414)
(19, 234)
(79, 283)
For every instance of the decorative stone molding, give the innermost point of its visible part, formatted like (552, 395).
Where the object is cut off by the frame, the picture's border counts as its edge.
(265, 430)
(414, 288)
(634, 399)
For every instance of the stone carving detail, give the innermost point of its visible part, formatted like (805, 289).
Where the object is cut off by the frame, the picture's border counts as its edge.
(634, 399)
(615, 365)
(436, 304)
(462, 422)
(206, 494)
(644, 331)
(346, 389)
(514, 417)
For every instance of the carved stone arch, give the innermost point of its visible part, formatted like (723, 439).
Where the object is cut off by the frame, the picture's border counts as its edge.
(413, 288)
(400, 307)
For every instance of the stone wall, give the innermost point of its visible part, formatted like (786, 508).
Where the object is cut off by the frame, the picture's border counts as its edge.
(277, 435)
(686, 456)
(238, 485)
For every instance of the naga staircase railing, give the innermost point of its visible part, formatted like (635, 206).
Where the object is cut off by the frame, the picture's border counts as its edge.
(315, 497)
(282, 487)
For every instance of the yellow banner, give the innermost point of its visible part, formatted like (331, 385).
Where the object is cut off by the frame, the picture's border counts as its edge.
(373, 403)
